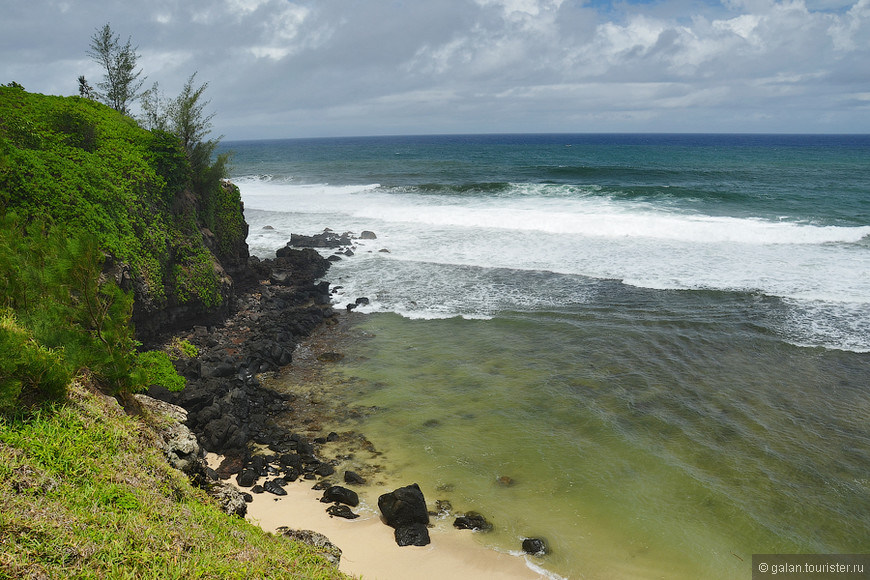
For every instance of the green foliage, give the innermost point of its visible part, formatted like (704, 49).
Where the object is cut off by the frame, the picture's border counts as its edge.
(73, 318)
(223, 216)
(193, 276)
(181, 348)
(80, 163)
(158, 370)
(29, 372)
(169, 161)
(79, 130)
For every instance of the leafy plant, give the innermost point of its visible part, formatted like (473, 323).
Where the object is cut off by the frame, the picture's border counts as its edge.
(29, 372)
(157, 369)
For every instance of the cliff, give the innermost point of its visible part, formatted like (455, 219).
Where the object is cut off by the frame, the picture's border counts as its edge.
(176, 239)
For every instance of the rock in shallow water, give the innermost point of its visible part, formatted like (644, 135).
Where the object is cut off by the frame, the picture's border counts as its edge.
(472, 521)
(535, 546)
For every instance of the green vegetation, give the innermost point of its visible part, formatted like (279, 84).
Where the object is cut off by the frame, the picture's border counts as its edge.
(81, 164)
(88, 197)
(96, 212)
(85, 493)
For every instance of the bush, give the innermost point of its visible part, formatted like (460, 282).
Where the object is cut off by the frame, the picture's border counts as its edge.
(157, 369)
(29, 372)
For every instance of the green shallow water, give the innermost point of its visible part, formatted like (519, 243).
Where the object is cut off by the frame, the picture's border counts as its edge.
(639, 447)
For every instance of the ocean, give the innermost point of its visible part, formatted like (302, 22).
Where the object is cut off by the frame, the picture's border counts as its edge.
(651, 350)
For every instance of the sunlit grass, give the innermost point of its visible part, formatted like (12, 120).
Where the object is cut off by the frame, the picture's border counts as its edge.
(86, 493)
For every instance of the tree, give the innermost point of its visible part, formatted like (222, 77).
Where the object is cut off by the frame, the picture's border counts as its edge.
(192, 125)
(155, 108)
(85, 89)
(121, 84)
(188, 118)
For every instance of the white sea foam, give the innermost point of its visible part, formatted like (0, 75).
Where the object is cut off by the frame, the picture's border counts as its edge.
(443, 250)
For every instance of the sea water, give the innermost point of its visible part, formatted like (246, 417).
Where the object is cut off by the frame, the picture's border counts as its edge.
(651, 350)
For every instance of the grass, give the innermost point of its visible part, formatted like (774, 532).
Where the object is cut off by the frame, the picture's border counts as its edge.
(86, 493)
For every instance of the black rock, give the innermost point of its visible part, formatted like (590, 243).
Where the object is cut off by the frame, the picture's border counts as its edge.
(304, 448)
(535, 546)
(224, 369)
(367, 235)
(247, 477)
(272, 486)
(341, 511)
(337, 493)
(258, 464)
(324, 470)
(353, 478)
(404, 506)
(472, 521)
(325, 240)
(412, 535)
(257, 489)
(290, 460)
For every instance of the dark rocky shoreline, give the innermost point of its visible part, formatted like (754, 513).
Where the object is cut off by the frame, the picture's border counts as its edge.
(233, 414)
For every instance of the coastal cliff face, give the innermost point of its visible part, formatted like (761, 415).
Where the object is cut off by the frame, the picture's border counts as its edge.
(176, 240)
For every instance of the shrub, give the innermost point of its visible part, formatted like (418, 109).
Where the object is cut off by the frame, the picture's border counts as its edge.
(157, 369)
(29, 372)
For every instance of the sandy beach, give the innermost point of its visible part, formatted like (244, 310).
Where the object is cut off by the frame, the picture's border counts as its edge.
(368, 547)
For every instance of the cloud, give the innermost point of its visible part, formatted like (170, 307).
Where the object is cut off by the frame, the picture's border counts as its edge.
(284, 68)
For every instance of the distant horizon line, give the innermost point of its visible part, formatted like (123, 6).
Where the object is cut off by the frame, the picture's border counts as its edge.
(555, 134)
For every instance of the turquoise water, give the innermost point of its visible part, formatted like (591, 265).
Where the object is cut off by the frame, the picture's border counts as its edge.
(661, 340)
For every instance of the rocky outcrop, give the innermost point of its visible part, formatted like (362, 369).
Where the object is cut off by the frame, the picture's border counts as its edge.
(227, 406)
(212, 270)
(184, 453)
(327, 239)
(319, 542)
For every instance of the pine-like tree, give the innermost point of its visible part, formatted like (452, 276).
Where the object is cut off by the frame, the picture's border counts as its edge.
(121, 84)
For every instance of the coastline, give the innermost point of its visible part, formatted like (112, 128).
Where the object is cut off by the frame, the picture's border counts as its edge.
(368, 546)
(245, 402)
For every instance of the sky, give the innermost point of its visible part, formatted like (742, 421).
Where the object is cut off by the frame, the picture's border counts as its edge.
(320, 68)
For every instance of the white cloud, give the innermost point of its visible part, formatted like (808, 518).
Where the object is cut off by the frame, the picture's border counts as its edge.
(245, 6)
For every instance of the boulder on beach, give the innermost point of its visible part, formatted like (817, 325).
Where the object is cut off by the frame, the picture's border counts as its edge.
(341, 511)
(404, 506)
(339, 494)
(405, 510)
(412, 535)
